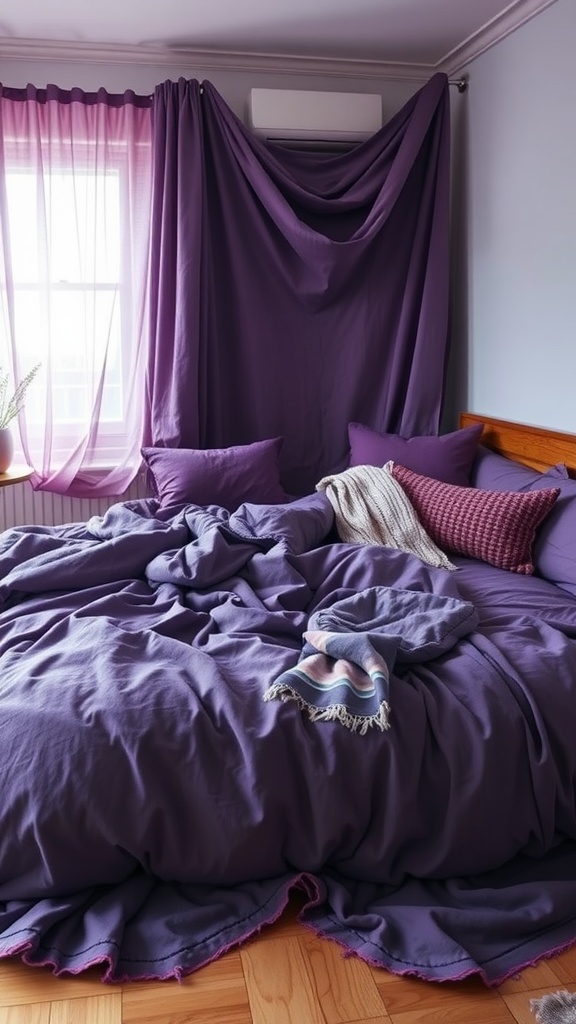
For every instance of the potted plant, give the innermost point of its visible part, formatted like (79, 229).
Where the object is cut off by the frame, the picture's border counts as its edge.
(10, 405)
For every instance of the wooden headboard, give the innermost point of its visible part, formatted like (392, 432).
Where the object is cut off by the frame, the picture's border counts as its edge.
(532, 446)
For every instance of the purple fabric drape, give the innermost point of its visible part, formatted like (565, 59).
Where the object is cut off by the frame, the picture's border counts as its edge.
(292, 292)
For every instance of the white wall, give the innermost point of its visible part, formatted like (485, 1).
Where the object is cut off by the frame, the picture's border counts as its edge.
(514, 354)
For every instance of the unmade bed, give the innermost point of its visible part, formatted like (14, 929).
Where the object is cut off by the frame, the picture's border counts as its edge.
(207, 704)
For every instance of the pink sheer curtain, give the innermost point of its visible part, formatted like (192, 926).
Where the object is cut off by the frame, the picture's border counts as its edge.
(75, 196)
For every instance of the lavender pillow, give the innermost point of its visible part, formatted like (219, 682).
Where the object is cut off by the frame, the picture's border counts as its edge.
(555, 547)
(217, 476)
(447, 457)
(493, 472)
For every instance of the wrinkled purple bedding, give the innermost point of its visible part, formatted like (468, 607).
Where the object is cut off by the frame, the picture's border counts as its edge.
(155, 810)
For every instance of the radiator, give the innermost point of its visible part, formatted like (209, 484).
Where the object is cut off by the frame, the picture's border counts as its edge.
(20, 505)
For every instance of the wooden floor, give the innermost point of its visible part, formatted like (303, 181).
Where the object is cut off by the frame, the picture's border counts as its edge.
(283, 976)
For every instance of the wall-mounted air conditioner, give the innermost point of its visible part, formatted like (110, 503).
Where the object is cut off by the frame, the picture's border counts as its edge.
(295, 115)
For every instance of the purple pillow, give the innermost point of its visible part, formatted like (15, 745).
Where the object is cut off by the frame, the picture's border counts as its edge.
(446, 457)
(493, 472)
(555, 547)
(217, 476)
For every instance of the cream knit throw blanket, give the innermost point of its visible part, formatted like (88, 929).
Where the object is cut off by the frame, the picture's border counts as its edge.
(371, 507)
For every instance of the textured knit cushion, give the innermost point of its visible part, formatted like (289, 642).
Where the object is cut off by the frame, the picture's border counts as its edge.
(494, 526)
(448, 457)
(554, 550)
(217, 476)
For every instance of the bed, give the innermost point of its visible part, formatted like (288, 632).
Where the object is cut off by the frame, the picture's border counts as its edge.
(210, 699)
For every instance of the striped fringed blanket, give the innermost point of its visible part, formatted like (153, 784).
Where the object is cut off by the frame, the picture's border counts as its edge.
(350, 649)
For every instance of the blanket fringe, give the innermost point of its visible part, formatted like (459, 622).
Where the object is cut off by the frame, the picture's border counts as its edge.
(334, 713)
(555, 1008)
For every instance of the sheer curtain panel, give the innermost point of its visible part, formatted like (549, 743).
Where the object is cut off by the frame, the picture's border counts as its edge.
(75, 196)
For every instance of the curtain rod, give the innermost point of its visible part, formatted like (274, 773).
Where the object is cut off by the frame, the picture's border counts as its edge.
(460, 83)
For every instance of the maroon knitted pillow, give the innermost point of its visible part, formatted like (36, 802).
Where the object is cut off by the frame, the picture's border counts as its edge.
(497, 527)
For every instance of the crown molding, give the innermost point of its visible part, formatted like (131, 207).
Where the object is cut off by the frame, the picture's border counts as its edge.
(514, 15)
(59, 51)
(502, 25)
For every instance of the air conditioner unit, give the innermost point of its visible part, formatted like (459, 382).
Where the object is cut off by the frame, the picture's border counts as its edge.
(295, 115)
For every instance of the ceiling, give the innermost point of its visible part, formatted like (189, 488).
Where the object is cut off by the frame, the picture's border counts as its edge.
(431, 34)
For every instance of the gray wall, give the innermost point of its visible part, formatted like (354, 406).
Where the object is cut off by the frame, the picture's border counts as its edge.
(514, 345)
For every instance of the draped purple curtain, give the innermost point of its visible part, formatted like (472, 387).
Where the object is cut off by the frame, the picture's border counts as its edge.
(292, 292)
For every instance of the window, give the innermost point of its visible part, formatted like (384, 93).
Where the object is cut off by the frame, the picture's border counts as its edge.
(77, 212)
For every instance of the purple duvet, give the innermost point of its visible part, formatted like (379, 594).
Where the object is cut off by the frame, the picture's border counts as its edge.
(155, 809)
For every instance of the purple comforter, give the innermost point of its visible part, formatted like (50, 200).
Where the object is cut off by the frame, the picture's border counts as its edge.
(155, 810)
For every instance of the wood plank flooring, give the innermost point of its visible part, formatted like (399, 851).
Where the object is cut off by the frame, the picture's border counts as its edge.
(286, 975)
